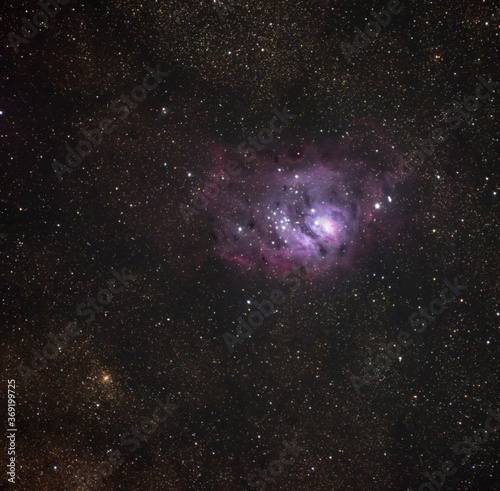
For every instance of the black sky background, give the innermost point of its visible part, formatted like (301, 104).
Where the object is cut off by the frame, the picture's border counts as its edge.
(162, 336)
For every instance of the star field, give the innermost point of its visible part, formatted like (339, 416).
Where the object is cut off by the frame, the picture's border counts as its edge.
(214, 227)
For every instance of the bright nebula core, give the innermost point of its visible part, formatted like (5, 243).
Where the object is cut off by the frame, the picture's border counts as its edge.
(282, 213)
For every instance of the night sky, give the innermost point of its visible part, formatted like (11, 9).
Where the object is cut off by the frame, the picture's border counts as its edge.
(250, 245)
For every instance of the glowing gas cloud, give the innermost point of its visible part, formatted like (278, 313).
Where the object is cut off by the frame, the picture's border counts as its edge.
(287, 210)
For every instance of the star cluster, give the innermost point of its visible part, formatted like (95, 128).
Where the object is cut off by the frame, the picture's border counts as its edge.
(312, 208)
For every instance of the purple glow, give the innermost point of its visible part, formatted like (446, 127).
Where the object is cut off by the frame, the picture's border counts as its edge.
(294, 211)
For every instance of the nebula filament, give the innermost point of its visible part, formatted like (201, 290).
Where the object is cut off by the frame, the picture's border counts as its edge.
(291, 211)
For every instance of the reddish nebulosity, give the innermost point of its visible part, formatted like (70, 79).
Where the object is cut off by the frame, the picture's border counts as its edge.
(312, 205)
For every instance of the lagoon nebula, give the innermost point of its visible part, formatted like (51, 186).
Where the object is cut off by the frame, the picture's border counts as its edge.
(283, 212)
